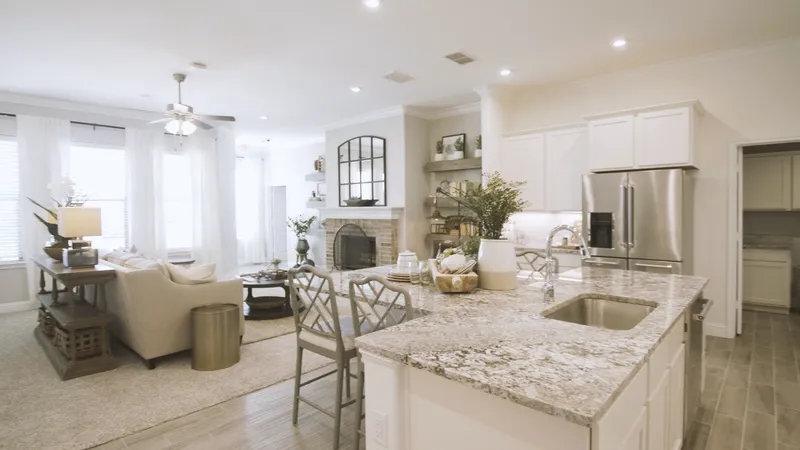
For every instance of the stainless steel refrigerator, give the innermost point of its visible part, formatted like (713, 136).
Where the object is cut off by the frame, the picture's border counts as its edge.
(639, 220)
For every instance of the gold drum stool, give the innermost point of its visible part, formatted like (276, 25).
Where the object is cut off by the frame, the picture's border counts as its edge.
(215, 336)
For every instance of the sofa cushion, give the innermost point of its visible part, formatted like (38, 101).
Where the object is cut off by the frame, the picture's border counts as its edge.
(120, 257)
(144, 263)
(200, 274)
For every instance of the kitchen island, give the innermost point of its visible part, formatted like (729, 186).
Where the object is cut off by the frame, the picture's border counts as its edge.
(489, 370)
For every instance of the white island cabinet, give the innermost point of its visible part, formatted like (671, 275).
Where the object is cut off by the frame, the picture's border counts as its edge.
(413, 409)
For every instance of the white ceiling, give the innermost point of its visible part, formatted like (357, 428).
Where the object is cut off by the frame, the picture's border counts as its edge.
(294, 60)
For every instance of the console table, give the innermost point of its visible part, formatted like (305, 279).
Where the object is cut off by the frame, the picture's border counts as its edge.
(73, 332)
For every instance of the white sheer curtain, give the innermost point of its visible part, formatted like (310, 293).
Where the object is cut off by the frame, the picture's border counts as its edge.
(43, 144)
(213, 159)
(251, 208)
(145, 156)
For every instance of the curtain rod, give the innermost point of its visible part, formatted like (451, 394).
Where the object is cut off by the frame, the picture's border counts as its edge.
(8, 115)
(97, 125)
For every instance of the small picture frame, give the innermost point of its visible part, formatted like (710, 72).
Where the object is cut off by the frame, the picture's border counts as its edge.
(454, 145)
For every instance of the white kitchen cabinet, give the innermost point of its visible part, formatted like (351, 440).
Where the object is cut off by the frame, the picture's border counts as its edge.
(796, 182)
(657, 413)
(676, 399)
(767, 278)
(767, 183)
(566, 162)
(522, 159)
(637, 438)
(644, 138)
(664, 138)
(611, 143)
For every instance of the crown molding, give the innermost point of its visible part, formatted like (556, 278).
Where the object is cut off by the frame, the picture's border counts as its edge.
(367, 117)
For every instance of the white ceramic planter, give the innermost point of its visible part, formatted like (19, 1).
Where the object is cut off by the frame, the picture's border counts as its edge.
(497, 265)
(438, 157)
(455, 155)
(478, 153)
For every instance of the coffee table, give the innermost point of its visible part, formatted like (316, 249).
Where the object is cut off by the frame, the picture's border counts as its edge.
(265, 308)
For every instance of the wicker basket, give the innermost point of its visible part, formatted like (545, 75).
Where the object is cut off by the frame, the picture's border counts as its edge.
(46, 322)
(87, 342)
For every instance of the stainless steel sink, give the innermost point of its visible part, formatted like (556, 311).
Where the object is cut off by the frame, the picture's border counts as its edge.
(606, 313)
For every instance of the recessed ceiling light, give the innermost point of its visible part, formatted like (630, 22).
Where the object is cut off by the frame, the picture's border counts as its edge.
(263, 117)
(619, 43)
(355, 89)
(372, 3)
(505, 72)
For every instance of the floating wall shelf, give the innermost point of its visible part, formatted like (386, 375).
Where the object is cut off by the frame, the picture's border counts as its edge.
(457, 164)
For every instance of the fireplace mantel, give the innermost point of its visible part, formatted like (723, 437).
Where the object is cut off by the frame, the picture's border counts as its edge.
(364, 212)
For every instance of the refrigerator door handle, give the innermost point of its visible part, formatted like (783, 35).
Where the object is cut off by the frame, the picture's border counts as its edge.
(654, 266)
(600, 263)
(623, 196)
(630, 233)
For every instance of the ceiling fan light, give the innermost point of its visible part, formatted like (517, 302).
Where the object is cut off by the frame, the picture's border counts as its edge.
(173, 126)
(188, 128)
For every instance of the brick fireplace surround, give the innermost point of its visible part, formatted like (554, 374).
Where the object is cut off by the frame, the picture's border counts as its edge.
(383, 230)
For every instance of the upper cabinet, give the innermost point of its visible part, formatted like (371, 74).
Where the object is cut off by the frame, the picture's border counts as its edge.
(611, 143)
(522, 159)
(767, 183)
(796, 182)
(644, 139)
(551, 163)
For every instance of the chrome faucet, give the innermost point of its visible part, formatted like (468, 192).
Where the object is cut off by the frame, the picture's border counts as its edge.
(549, 276)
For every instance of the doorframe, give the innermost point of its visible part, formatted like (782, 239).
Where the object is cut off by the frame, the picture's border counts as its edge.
(735, 228)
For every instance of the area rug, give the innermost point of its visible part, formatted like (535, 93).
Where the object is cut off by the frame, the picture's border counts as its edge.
(39, 411)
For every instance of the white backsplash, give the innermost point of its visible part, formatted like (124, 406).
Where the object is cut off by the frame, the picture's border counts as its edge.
(530, 229)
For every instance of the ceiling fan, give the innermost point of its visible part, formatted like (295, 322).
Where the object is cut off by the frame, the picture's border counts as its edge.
(180, 118)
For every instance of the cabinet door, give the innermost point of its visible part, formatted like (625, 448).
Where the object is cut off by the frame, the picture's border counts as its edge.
(565, 162)
(664, 138)
(522, 159)
(611, 143)
(637, 439)
(767, 183)
(796, 182)
(657, 414)
(676, 399)
(766, 283)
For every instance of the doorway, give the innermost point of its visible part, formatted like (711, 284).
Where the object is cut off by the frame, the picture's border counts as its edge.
(765, 247)
(277, 196)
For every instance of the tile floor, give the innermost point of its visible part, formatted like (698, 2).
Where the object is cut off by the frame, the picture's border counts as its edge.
(752, 393)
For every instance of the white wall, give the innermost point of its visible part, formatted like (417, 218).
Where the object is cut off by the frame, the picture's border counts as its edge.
(749, 94)
(417, 185)
(288, 167)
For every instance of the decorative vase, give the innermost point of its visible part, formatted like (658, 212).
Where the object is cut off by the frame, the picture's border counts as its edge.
(55, 250)
(302, 246)
(478, 153)
(497, 265)
(438, 157)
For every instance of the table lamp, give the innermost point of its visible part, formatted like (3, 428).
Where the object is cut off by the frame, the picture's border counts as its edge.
(79, 222)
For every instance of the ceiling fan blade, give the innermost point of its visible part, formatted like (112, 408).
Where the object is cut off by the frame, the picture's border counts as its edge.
(219, 118)
(201, 124)
(167, 119)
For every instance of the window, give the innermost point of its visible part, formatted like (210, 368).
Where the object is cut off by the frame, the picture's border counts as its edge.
(10, 220)
(99, 173)
(178, 211)
(362, 172)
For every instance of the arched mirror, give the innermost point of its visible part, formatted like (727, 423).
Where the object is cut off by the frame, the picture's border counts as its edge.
(362, 172)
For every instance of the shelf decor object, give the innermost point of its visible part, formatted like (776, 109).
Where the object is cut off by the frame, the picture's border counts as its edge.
(362, 171)
(454, 146)
(300, 227)
(479, 146)
(439, 156)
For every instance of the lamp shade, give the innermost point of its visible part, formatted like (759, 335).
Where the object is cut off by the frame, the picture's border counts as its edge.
(79, 222)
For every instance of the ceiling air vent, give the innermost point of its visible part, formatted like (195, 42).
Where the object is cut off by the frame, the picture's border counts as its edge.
(459, 58)
(398, 77)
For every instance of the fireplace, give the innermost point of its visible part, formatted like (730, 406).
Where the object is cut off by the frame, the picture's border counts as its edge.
(370, 242)
(353, 249)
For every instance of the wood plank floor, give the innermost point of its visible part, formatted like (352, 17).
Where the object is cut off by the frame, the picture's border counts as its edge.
(751, 402)
(752, 394)
(260, 420)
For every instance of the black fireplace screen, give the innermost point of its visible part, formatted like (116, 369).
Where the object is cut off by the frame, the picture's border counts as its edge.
(353, 249)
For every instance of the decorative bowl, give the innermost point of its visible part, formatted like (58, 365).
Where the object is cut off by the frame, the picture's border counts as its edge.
(360, 202)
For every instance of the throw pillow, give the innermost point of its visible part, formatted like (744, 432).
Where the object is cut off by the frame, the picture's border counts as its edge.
(144, 263)
(204, 273)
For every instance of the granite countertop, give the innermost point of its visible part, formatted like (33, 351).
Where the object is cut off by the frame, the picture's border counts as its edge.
(499, 342)
(556, 249)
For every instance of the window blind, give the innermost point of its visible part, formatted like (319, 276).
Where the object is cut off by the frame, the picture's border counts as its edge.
(10, 217)
(99, 174)
(178, 211)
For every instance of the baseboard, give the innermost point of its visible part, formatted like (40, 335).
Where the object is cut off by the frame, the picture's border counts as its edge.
(18, 306)
(716, 329)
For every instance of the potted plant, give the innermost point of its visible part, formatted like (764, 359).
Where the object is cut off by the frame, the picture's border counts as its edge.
(479, 146)
(458, 146)
(300, 227)
(493, 204)
(439, 156)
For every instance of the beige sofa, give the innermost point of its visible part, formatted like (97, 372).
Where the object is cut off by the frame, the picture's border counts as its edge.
(152, 315)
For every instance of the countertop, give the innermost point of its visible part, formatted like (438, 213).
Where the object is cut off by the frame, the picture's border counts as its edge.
(571, 249)
(499, 342)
